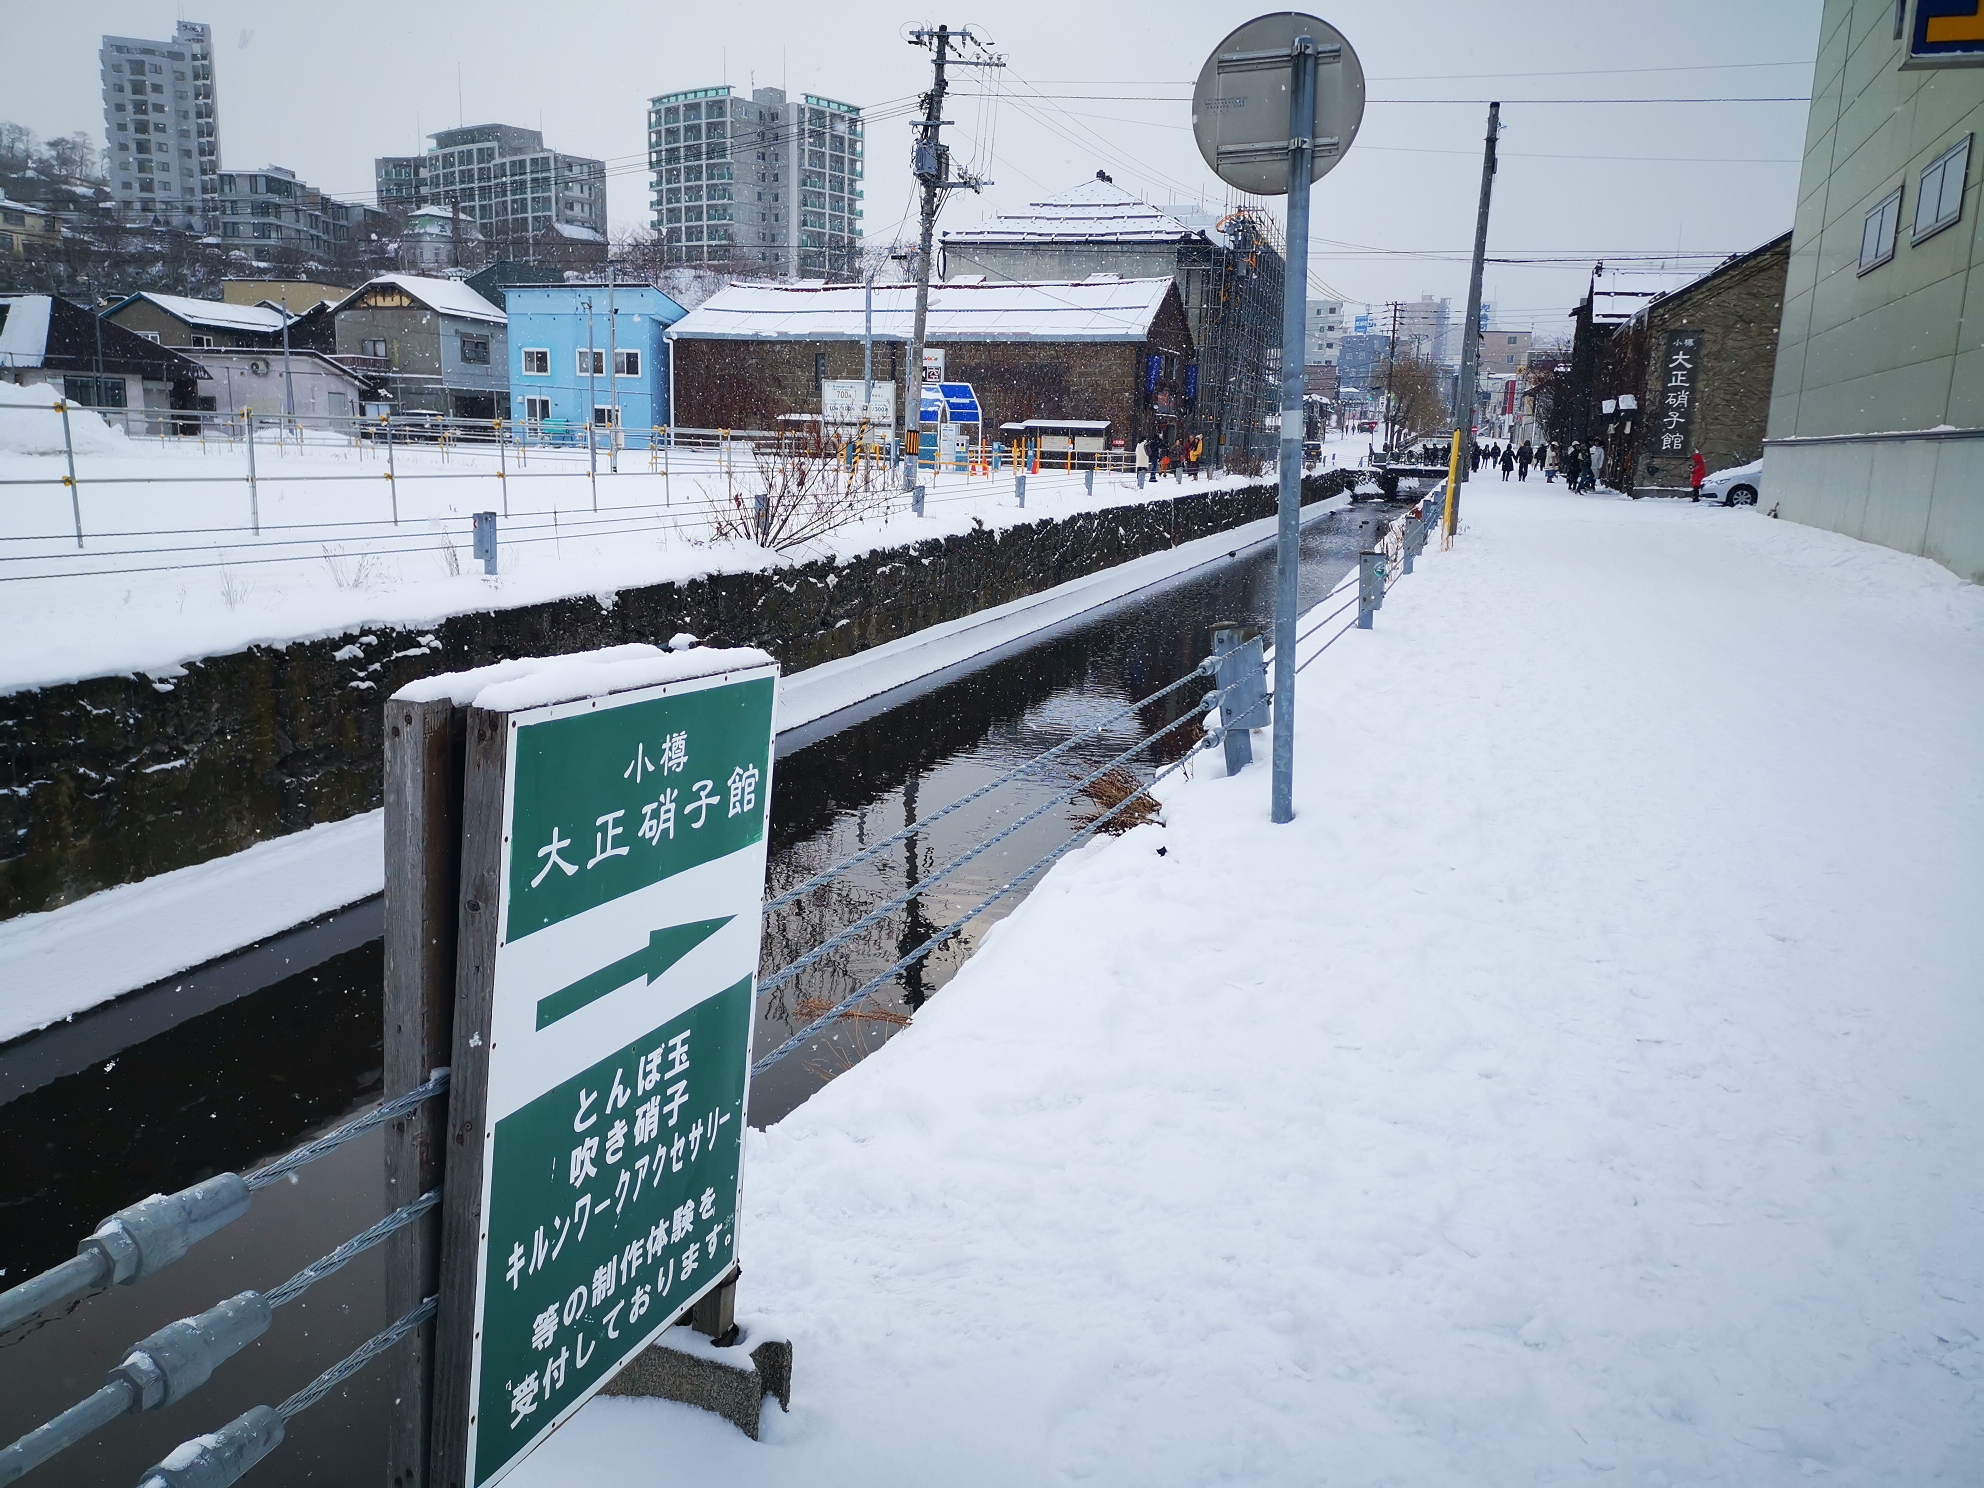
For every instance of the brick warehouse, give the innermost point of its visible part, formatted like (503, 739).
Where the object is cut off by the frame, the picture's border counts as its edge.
(1100, 348)
(1724, 328)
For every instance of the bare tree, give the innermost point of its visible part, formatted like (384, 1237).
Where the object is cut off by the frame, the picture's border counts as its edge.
(1415, 396)
(807, 487)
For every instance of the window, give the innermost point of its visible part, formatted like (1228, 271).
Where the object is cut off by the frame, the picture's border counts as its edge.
(605, 415)
(626, 364)
(197, 340)
(375, 348)
(537, 410)
(591, 363)
(475, 350)
(1877, 233)
(537, 361)
(1940, 201)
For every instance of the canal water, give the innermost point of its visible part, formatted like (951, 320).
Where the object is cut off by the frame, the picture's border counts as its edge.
(227, 1067)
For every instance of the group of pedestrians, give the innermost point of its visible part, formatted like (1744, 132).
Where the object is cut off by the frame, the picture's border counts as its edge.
(1161, 456)
(1581, 465)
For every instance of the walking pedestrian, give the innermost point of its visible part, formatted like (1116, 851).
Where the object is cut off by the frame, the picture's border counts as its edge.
(1524, 457)
(1597, 457)
(1143, 462)
(1507, 462)
(1473, 456)
(1197, 453)
(1696, 476)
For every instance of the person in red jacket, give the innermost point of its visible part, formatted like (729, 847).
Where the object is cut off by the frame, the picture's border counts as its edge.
(1697, 476)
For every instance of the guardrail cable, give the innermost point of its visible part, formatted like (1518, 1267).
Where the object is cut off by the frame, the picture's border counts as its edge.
(386, 1111)
(923, 886)
(827, 875)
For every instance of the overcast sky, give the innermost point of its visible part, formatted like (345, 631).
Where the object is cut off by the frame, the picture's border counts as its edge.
(1103, 84)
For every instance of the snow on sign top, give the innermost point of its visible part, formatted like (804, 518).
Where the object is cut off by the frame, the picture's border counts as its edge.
(445, 296)
(1107, 310)
(533, 681)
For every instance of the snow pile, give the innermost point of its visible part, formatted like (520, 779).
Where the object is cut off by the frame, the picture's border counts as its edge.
(30, 424)
(1583, 1086)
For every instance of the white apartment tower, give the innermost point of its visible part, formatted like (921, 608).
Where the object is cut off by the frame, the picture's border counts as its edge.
(759, 180)
(1323, 333)
(163, 141)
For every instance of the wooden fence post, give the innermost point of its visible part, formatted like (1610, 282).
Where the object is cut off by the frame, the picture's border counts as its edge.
(423, 843)
(485, 756)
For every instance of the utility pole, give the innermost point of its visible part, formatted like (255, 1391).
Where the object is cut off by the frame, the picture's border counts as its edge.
(288, 384)
(1391, 357)
(1470, 345)
(930, 160)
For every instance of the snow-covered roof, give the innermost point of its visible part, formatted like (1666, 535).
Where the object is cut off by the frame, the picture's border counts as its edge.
(24, 331)
(574, 233)
(1098, 309)
(215, 313)
(444, 296)
(1094, 211)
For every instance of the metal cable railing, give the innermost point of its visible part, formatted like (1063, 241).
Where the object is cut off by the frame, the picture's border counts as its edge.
(827, 875)
(180, 1357)
(1213, 736)
(148, 1236)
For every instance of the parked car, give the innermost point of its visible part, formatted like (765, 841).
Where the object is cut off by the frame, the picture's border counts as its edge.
(1738, 486)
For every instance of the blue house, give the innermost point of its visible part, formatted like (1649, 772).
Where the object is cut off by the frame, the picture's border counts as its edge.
(589, 352)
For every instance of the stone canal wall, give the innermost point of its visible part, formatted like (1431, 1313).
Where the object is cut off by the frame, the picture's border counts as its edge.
(115, 779)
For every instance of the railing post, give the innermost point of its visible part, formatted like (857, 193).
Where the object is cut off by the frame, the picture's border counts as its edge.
(69, 452)
(1370, 586)
(392, 477)
(1241, 678)
(254, 492)
(1019, 488)
(916, 500)
(502, 478)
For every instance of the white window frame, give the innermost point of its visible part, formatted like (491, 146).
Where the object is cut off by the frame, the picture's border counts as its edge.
(1879, 230)
(627, 362)
(1931, 196)
(598, 357)
(537, 410)
(536, 361)
(605, 416)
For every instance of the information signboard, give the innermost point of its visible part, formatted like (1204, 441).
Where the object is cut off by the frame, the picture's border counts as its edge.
(841, 402)
(1945, 33)
(633, 865)
(1674, 393)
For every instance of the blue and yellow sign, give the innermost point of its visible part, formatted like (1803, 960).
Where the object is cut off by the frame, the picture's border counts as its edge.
(1946, 33)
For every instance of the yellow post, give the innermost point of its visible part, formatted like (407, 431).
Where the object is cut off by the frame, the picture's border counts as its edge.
(1453, 479)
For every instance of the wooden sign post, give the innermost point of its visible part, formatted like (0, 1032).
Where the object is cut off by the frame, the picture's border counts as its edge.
(612, 861)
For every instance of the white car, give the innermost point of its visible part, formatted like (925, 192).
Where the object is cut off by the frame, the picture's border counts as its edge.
(1739, 486)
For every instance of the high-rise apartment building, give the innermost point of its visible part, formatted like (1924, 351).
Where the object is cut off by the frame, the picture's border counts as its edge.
(270, 208)
(162, 150)
(1427, 324)
(1322, 330)
(761, 180)
(504, 179)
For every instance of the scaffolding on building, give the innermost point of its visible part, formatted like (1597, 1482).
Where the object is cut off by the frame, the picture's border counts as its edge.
(1233, 293)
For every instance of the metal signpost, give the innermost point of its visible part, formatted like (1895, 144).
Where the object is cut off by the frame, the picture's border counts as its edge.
(613, 865)
(1276, 106)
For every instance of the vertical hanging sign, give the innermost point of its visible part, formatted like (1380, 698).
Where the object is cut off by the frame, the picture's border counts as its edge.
(632, 870)
(1674, 391)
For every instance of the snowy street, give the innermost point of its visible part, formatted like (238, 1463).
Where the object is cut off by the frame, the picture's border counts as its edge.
(1583, 1087)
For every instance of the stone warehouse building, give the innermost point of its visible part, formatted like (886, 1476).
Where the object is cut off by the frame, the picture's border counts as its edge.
(1101, 348)
(1724, 326)
(1228, 268)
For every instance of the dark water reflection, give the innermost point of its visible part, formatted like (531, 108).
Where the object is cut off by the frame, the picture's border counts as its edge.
(232, 1085)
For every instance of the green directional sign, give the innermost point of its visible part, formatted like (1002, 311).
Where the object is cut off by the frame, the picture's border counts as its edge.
(633, 873)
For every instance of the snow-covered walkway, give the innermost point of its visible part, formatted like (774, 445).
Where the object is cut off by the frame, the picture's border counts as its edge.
(1585, 1087)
